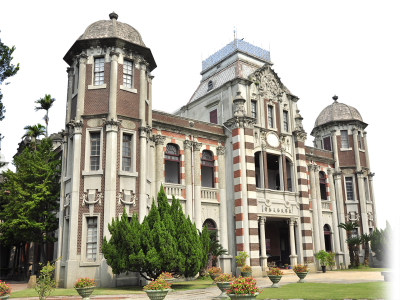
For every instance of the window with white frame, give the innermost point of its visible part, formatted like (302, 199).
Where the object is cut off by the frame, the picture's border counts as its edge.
(286, 121)
(271, 116)
(99, 71)
(254, 109)
(172, 164)
(349, 188)
(345, 138)
(126, 152)
(128, 74)
(95, 151)
(91, 238)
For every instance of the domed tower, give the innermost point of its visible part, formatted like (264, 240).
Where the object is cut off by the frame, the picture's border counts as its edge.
(340, 128)
(106, 143)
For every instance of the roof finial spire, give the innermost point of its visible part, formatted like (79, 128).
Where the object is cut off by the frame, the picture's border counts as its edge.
(335, 98)
(234, 32)
(113, 15)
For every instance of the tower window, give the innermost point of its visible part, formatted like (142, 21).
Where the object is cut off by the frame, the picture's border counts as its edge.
(322, 185)
(95, 151)
(127, 152)
(349, 188)
(91, 238)
(214, 116)
(99, 71)
(172, 164)
(285, 121)
(270, 116)
(327, 143)
(128, 73)
(345, 138)
(254, 109)
(360, 141)
(207, 169)
(210, 86)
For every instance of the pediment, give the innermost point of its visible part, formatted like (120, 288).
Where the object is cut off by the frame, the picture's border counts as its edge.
(268, 83)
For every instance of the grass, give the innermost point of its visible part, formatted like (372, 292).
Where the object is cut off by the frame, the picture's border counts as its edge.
(365, 290)
(125, 290)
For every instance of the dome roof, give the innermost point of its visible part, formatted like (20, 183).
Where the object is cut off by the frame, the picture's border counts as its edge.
(337, 112)
(112, 29)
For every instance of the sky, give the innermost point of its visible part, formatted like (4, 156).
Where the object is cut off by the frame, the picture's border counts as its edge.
(319, 49)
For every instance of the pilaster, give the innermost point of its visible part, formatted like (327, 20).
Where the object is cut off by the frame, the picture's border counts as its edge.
(197, 184)
(81, 85)
(187, 145)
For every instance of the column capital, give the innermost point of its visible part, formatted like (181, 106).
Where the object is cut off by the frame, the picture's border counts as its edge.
(76, 126)
(143, 64)
(355, 131)
(371, 175)
(310, 167)
(70, 71)
(197, 146)
(187, 144)
(159, 139)
(221, 150)
(82, 58)
(329, 171)
(333, 132)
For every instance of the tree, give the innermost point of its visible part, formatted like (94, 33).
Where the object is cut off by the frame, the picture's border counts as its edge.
(354, 243)
(34, 131)
(365, 239)
(45, 103)
(7, 69)
(30, 197)
(380, 242)
(349, 227)
(166, 240)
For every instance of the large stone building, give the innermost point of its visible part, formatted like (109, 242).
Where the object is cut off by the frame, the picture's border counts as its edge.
(235, 156)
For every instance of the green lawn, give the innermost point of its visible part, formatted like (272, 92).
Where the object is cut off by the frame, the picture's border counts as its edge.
(365, 290)
(184, 285)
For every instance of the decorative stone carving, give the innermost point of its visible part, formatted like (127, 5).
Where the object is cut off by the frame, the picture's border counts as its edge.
(197, 146)
(221, 150)
(112, 122)
(269, 84)
(272, 139)
(187, 144)
(82, 58)
(239, 109)
(159, 139)
(240, 122)
(128, 124)
(95, 122)
(87, 195)
(127, 198)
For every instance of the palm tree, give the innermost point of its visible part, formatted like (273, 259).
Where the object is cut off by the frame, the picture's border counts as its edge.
(366, 238)
(354, 243)
(34, 131)
(349, 227)
(45, 103)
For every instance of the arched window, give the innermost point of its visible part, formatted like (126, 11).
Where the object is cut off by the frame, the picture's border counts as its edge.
(327, 238)
(210, 85)
(207, 169)
(172, 164)
(322, 185)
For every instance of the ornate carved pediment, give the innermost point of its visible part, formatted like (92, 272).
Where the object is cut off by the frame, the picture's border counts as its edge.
(268, 83)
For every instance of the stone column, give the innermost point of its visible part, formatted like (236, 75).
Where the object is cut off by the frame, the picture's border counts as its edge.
(143, 93)
(293, 255)
(372, 196)
(265, 166)
(187, 145)
(292, 179)
(314, 208)
(335, 149)
(159, 176)
(263, 256)
(341, 217)
(335, 230)
(150, 113)
(197, 184)
(70, 72)
(112, 101)
(366, 150)
(71, 265)
(143, 172)
(281, 178)
(81, 86)
(319, 208)
(225, 260)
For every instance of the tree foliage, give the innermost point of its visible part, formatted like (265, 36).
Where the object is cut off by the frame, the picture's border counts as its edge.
(351, 242)
(45, 103)
(7, 69)
(30, 197)
(380, 242)
(166, 241)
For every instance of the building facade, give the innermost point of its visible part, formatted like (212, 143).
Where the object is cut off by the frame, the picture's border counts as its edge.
(235, 156)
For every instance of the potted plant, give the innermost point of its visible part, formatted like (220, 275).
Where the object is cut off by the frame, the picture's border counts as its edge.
(157, 289)
(85, 287)
(214, 272)
(223, 282)
(331, 259)
(301, 272)
(243, 288)
(275, 275)
(5, 290)
(286, 266)
(167, 276)
(246, 271)
(323, 257)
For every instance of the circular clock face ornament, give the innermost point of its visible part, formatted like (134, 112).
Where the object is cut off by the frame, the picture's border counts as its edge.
(273, 140)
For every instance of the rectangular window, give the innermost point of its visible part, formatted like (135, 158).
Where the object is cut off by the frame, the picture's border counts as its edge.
(349, 188)
(214, 116)
(254, 109)
(270, 116)
(366, 189)
(95, 151)
(285, 121)
(128, 73)
(99, 71)
(127, 152)
(345, 139)
(327, 143)
(91, 238)
(360, 141)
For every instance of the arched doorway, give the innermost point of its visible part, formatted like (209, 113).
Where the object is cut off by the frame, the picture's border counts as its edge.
(328, 238)
(212, 226)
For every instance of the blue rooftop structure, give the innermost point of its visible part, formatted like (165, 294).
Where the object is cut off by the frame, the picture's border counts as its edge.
(232, 47)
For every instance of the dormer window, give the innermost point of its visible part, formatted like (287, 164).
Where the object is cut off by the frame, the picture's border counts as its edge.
(210, 85)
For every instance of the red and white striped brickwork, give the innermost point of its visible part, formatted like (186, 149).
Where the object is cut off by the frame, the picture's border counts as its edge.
(303, 189)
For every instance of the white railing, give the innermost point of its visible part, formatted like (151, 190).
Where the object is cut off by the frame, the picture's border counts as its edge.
(209, 194)
(172, 189)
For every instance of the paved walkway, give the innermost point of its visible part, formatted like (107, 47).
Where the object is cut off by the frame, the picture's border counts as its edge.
(212, 292)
